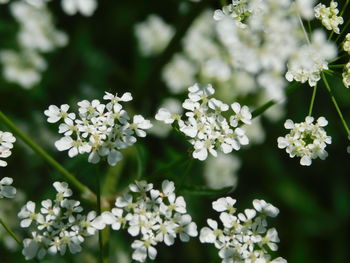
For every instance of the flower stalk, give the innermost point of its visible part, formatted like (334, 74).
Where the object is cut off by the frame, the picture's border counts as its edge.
(86, 193)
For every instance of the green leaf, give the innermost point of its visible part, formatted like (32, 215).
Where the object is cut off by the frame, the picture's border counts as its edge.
(205, 191)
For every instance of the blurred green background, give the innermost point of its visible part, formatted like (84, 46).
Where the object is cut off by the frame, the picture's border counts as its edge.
(102, 55)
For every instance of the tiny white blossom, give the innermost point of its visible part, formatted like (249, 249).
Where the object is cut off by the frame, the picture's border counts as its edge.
(153, 35)
(346, 44)
(346, 75)
(6, 144)
(85, 7)
(6, 190)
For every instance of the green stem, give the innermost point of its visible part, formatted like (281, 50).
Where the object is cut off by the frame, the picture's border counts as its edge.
(344, 7)
(99, 211)
(335, 103)
(10, 232)
(312, 100)
(184, 175)
(343, 30)
(304, 30)
(87, 194)
(14, 236)
(337, 66)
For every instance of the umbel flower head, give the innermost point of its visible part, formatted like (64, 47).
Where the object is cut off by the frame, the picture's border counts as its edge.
(346, 44)
(306, 140)
(98, 129)
(239, 11)
(6, 144)
(308, 61)
(56, 226)
(243, 237)
(6, 190)
(205, 124)
(151, 215)
(346, 75)
(328, 16)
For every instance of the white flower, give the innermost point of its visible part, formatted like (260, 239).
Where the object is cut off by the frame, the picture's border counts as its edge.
(153, 35)
(6, 144)
(6, 190)
(151, 215)
(305, 8)
(36, 35)
(23, 68)
(306, 140)
(208, 130)
(85, 7)
(328, 16)
(242, 114)
(307, 63)
(186, 228)
(99, 129)
(59, 225)
(210, 235)
(244, 238)
(346, 44)
(55, 114)
(265, 208)
(144, 248)
(346, 75)
(225, 204)
(220, 171)
(238, 11)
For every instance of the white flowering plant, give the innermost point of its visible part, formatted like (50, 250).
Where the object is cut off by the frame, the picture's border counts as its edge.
(173, 115)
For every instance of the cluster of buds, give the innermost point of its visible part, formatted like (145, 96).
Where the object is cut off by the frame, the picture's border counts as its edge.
(329, 16)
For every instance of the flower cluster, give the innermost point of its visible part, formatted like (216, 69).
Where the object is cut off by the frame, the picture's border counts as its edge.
(346, 44)
(6, 190)
(244, 237)
(6, 144)
(99, 129)
(346, 75)
(307, 140)
(155, 216)
(37, 34)
(239, 11)
(204, 123)
(85, 7)
(307, 63)
(56, 226)
(328, 16)
(153, 35)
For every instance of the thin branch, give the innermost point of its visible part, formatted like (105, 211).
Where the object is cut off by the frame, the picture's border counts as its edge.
(86, 193)
(335, 103)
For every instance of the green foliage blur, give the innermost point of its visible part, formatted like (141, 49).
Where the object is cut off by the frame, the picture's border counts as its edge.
(102, 55)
